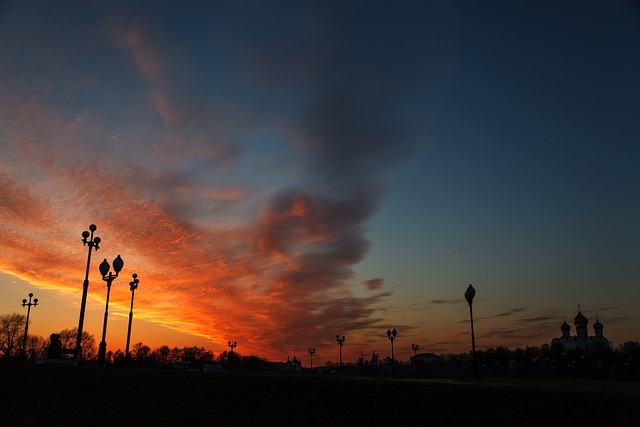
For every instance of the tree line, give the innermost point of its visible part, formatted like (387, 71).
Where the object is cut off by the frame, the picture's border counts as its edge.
(623, 362)
(12, 339)
(12, 328)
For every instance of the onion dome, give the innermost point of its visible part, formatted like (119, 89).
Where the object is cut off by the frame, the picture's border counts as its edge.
(597, 325)
(580, 320)
(565, 326)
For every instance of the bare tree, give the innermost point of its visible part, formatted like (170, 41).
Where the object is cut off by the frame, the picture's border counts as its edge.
(161, 357)
(69, 336)
(11, 328)
(35, 345)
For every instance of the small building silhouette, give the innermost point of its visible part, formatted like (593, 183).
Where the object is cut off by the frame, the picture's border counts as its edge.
(425, 358)
(293, 365)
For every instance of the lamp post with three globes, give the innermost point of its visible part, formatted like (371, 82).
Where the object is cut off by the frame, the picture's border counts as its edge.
(392, 336)
(311, 351)
(231, 345)
(94, 243)
(133, 285)
(26, 326)
(340, 342)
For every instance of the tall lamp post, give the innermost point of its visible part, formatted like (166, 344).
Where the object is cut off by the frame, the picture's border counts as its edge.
(231, 345)
(415, 348)
(26, 326)
(93, 243)
(392, 336)
(468, 295)
(108, 277)
(340, 341)
(311, 351)
(133, 285)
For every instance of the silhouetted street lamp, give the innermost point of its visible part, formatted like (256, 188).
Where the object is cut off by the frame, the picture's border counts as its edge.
(392, 336)
(108, 277)
(93, 242)
(374, 360)
(415, 348)
(26, 326)
(133, 285)
(312, 351)
(231, 345)
(468, 295)
(340, 341)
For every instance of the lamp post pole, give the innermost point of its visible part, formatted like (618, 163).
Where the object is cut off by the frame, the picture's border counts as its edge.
(392, 336)
(133, 285)
(108, 277)
(311, 351)
(93, 243)
(415, 348)
(26, 326)
(231, 345)
(340, 341)
(469, 294)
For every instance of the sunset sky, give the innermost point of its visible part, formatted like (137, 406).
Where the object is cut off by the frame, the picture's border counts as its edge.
(280, 172)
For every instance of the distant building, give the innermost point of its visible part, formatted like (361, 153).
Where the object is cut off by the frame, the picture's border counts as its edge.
(592, 347)
(293, 365)
(425, 358)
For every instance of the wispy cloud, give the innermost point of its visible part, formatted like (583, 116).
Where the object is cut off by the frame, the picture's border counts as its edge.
(536, 319)
(446, 301)
(617, 307)
(460, 251)
(373, 284)
(164, 63)
(505, 314)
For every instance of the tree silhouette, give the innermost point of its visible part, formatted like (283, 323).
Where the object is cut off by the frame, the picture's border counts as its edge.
(35, 346)
(69, 337)
(11, 327)
(161, 357)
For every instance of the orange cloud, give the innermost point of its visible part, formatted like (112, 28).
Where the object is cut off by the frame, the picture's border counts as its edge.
(275, 278)
(230, 193)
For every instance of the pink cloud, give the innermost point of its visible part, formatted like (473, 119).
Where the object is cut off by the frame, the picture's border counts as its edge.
(460, 251)
(373, 284)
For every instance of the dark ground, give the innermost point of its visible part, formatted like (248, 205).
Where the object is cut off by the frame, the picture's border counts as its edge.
(86, 395)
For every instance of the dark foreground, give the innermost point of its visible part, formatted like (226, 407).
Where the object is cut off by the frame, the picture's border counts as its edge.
(86, 395)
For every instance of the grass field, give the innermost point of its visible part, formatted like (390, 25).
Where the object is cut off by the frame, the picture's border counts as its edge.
(86, 395)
